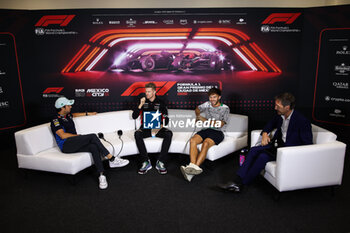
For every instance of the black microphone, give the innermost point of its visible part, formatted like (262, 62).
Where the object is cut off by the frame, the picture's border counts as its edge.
(120, 133)
(101, 136)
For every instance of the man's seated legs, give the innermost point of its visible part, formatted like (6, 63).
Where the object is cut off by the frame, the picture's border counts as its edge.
(140, 134)
(198, 157)
(167, 135)
(255, 162)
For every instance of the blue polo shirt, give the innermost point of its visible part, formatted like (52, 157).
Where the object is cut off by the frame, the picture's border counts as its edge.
(64, 122)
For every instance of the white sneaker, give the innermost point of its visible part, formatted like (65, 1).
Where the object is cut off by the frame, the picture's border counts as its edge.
(193, 169)
(187, 177)
(103, 182)
(118, 162)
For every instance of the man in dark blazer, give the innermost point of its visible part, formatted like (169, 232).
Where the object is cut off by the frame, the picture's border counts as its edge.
(292, 129)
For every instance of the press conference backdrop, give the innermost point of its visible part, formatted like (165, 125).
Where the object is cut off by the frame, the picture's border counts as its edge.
(103, 57)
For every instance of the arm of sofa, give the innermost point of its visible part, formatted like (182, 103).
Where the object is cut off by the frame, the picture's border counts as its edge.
(310, 166)
(33, 140)
(255, 137)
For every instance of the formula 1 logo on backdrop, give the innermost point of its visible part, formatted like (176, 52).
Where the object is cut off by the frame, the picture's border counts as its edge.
(52, 92)
(139, 87)
(283, 20)
(58, 25)
(62, 20)
(286, 18)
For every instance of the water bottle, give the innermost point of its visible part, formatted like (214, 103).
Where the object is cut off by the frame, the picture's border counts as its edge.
(242, 156)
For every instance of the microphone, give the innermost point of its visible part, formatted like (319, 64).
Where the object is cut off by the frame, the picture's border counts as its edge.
(120, 133)
(101, 136)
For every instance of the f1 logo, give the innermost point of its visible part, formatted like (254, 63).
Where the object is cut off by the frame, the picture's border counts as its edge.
(151, 120)
(287, 18)
(53, 90)
(62, 20)
(139, 87)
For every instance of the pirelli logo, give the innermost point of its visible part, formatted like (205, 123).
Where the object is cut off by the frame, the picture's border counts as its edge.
(139, 87)
(62, 20)
(286, 18)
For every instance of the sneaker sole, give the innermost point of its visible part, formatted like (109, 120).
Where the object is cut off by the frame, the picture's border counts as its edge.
(182, 168)
(103, 187)
(192, 171)
(120, 165)
(144, 172)
(161, 172)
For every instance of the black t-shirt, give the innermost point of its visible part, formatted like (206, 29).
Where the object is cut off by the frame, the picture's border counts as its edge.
(62, 122)
(149, 106)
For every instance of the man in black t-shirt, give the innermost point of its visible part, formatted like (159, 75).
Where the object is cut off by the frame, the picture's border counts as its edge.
(63, 129)
(151, 103)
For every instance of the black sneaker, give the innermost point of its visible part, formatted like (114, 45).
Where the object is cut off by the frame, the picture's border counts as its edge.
(161, 168)
(145, 167)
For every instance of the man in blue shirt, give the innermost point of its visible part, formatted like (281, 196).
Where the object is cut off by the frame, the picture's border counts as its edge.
(63, 128)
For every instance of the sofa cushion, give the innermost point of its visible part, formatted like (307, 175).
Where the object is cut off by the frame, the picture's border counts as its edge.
(237, 126)
(106, 122)
(53, 160)
(271, 168)
(34, 140)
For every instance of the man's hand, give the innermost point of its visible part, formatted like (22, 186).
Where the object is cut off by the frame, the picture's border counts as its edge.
(200, 118)
(142, 102)
(265, 139)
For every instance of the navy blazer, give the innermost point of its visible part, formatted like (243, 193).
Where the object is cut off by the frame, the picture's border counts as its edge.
(298, 133)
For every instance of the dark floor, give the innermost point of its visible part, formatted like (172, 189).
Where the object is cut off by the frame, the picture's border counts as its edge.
(47, 202)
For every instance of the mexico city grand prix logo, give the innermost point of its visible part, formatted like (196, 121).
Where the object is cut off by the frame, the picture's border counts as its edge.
(139, 87)
(286, 18)
(62, 20)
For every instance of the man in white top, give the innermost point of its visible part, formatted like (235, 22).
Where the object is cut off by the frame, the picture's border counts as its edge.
(217, 114)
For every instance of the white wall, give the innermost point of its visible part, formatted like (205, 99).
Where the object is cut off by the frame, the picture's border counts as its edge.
(71, 4)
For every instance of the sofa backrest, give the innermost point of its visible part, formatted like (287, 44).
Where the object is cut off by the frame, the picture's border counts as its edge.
(35, 139)
(321, 135)
(237, 125)
(106, 122)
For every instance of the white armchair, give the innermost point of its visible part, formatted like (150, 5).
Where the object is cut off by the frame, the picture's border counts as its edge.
(300, 167)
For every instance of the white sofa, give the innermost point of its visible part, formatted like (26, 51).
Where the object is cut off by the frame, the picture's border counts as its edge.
(300, 167)
(37, 148)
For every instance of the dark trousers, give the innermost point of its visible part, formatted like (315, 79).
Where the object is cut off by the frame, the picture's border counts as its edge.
(87, 143)
(254, 163)
(164, 133)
